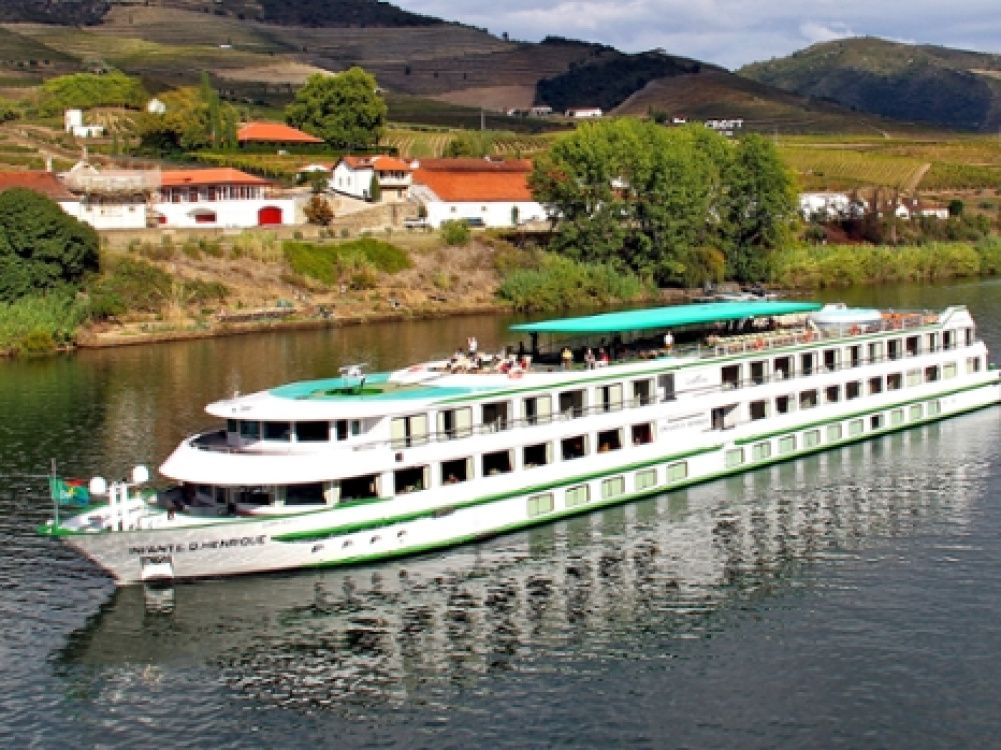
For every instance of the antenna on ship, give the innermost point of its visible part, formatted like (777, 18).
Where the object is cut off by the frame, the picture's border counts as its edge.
(356, 370)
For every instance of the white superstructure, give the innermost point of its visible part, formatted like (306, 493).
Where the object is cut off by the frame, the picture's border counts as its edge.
(361, 468)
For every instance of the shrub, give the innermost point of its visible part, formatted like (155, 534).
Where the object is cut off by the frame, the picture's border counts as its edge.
(455, 233)
(559, 283)
(40, 323)
(130, 285)
(318, 211)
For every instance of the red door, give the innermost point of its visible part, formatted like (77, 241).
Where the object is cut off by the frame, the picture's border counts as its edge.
(269, 215)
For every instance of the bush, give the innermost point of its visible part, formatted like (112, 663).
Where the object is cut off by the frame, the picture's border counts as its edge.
(318, 211)
(559, 283)
(130, 285)
(41, 323)
(455, 233)
(357, 263)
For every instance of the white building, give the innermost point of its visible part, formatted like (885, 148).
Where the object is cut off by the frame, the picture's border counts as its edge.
(219, 197)
(73, 124)
(112, 198)
(353, 176)
(584, 113)
(824, 206)
(482, 192)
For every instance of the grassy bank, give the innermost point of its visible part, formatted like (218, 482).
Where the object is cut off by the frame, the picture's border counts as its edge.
(820, 266)
(35, 325)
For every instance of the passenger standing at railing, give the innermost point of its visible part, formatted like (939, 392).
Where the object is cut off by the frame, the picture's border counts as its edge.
(669, 342)
(566, 357)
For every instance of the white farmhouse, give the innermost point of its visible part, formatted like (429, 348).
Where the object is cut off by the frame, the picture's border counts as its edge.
(584, 113)
(353, 176)
(482, 192)
(73, 124)
(219, 197)
(112, 198)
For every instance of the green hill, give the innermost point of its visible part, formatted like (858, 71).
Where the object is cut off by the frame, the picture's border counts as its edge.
(914, 83)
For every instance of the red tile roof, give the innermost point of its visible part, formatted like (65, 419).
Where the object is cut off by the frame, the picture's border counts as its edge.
(476, 179)
(215, 176)
(45, 183)
(273, 132)
(379, 163)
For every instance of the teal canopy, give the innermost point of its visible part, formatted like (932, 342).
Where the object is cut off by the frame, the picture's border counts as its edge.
(667, 317)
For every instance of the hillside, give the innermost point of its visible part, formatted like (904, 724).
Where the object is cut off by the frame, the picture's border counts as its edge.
(915, 83)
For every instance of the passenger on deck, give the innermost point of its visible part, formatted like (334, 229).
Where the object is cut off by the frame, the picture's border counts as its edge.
(589, 360)
(566, 358)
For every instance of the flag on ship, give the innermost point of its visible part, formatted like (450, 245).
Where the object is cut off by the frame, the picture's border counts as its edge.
(68, 491)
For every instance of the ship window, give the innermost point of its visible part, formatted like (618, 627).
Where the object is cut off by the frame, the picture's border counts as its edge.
(537, 455)
(232, 426)
(730, 376)
(933, 342)
(724, 417)
(280, 431)
(782, 404)
(949, 340)
(457, 470)
(783, 368)
(537, 409)
(973, 364)
(832, 394)
(646, 479)
(572, 404)
(806, 363)
(495, 416)
(855, 355)
(893, 348)
(642, 392)
(931, 374)
(969, 336)
(498, 462)
(612, 487)
(359, 488)
(250, 430)
(894, 381)
(875, 351)
(833, 432)
(573, 447)
(255, 496)
(853, 389)
(411, 479)
(787, 444)
(913, 377)
(677, 472)
(734, 457)
(761, 451)
(811, 438)
(454, 423)
(934, 408)
(759, 372)
(875, 385)
(855, 428)
(808, 399)
(540, 504)
(577, 496)
(759, 409)
(912, 345)
(610, 397)
(876, 421)
(831, 359)
(312, 432)
(897, 417)
(609, 440)
(948, 370)
(916, 411)
(642, 433)
(305, 494)
(409, 431)
(665, 386)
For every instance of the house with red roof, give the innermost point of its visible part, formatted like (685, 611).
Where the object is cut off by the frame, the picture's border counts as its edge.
(219, 197)
(353, 176)
(45, 183)
(483, 192)
(274, 134)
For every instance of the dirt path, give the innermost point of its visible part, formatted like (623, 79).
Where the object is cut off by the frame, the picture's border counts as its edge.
(916, 178)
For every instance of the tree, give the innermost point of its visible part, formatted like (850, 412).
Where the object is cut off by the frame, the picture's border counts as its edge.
(194, 119)
(83, 90)
(318, 210)
(346, 110)
(374, 189)
(41, 247)
(635, 194)
(759, 208)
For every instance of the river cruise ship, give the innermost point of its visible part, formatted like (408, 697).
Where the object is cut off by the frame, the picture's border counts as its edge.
(619, 406)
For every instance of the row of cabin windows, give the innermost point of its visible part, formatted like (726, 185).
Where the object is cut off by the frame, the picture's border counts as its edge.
(831, 360)
(495, 416)
(854, 389)
(834, 432)
(301, 432)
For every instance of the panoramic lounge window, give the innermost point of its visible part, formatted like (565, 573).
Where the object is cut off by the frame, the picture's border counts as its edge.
(281, 431)
(312, 432)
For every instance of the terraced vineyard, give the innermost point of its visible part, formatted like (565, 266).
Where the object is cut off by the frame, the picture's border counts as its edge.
(433, 143)
(844, 169)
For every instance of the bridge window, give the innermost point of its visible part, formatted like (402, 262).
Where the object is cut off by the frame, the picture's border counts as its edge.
(312, 432)
(280, 431)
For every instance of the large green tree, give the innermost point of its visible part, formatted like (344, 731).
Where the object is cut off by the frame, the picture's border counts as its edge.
(637, 194)
(346, 110)
(759, 210)
(194, 119)
(41, 247)
(83, 90)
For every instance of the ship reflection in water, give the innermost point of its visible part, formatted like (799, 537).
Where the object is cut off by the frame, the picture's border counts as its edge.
(620, 583)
